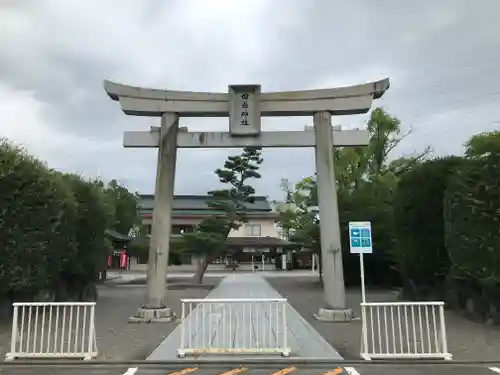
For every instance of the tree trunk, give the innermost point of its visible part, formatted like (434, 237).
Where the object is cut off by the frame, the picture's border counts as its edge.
(200, 270)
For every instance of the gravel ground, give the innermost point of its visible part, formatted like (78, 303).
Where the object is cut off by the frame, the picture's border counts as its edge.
(466, 340)
(116, 338)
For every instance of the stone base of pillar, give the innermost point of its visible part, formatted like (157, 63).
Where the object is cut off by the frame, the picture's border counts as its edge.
(334, 315)
(148, 315)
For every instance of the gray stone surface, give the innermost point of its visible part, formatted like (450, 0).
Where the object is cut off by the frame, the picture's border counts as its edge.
(334, 315)
(466, 340)
(331, 254)
(321, 104)
(139, 101)
(145, 315)
(300, 139)
(188, 272)
(159, 245)
(271, 369)
(303, 340)
(117, 339)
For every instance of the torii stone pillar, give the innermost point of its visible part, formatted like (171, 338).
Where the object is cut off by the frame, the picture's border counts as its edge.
(244, 105)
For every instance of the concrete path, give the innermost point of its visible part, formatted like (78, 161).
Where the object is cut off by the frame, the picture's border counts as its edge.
(303, 339)
(127, 277)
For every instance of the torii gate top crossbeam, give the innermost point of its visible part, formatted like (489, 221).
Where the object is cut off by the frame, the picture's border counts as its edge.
(338, 101)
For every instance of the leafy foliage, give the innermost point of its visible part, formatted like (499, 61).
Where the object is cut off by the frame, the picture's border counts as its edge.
(355, 166)
(295, 218)
(472, 221)
(371, 202)
(37, 216)
(483, 144)
(421, 254)
(294, 215)
(139, 248)
(366, 183)
(95, 215)
(125, 207)
(209, 237)
(52, 227)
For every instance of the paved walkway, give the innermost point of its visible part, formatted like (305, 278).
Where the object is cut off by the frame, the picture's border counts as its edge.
(248, 369)
(131, 276)
(206, 325)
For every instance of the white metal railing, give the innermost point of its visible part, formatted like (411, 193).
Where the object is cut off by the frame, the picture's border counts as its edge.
(53, 330)
(403, 330)
(234, 325)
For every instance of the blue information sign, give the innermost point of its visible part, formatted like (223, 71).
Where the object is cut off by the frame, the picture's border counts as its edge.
(360, 237)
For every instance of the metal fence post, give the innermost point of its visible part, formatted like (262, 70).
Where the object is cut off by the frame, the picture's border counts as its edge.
(410, 335)
(92, 338)
(239, 322)
(183, 319)
(42, 335)
(13, 340)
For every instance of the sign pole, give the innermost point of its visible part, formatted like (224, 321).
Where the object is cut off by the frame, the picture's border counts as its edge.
(360, 238)
(362, 269)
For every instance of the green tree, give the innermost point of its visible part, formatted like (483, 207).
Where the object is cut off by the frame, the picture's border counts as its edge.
(36, 224)
(371, 202)
(95, 214)
(471, 212)
(286, 210)
(295, 219)
(139, 248)
(483, 144)
(208, 240)
(357, 165)
(125, 206)
(385, 136)
(366, 182)
(420, 253)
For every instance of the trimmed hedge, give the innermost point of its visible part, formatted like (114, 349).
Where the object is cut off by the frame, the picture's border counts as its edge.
(94, 216)
(472, 223)
(420, 250)
(36, 224)
(371, 203)
(51, 229)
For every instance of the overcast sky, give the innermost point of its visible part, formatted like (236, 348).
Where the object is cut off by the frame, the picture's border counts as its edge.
(443, 59)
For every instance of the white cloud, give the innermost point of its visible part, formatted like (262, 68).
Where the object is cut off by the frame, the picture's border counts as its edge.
(442, 60)
(24, 122)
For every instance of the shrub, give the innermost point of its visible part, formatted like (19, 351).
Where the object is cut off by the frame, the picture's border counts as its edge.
(472, 222)
(420, 250)
(139, 248)
(372, 202)
(93, 218)
(37, 219)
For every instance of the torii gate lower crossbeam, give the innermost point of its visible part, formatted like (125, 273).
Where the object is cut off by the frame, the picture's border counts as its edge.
(245, 104)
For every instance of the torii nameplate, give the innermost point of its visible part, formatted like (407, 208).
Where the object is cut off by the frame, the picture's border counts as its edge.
(244, 110)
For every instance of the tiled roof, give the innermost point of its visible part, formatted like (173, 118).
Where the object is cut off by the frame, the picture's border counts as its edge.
(199, 202)
(237, 242)
(205, 213)
(117, 236)
(256, 241)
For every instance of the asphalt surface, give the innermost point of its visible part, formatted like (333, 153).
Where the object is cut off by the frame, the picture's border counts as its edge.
(363, 369)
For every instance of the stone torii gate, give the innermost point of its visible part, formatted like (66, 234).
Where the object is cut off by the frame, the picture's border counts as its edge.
(244, 105)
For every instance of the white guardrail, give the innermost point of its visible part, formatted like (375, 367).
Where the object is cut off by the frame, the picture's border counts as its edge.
(237, 326)
(53, 330)
(403, 330)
